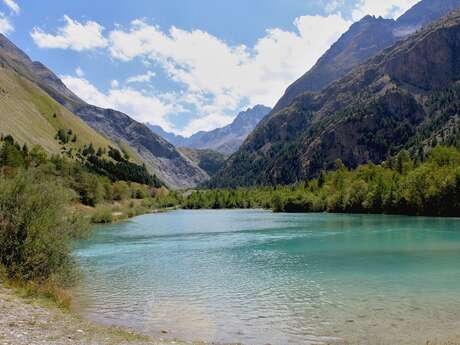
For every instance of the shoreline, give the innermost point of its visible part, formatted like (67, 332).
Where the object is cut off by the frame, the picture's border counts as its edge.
(34, 321)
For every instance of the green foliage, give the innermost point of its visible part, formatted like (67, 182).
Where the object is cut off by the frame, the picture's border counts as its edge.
(102, 215)
(38, 155)
(121, 190)
(36, 229)
(64, 136)
(38, 194)
(11, 154)
(90, 188)
(398, 186)
(122, 170)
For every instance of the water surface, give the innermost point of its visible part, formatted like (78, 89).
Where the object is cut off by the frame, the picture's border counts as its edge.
(261, 278)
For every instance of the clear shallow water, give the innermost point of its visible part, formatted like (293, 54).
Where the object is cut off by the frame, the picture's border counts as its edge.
(261, 278)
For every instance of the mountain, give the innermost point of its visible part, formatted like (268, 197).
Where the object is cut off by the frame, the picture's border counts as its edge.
(363, 40)
(408, 96)
(29, 114)
(160, 157)
(225, 140)
(208, 160)
(425, 12)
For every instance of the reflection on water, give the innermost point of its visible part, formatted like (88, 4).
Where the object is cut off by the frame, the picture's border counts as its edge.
(258, 278)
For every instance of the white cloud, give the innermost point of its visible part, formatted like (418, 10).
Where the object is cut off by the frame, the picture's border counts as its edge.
(221, 77)
(13, 6)
(73, 35)
(216, 79)
(206, 123)
(79, 72)
(142, 107)
(5, 25)
(141, 78)
(386, 9)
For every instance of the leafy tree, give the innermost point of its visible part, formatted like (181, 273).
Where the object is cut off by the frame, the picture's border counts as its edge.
(121, 190)
(90, 189)
(38, 155)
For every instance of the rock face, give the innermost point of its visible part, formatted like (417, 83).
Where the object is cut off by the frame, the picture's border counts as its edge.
(225, 140)
(160, 157)
(405, 97)
(363, 40)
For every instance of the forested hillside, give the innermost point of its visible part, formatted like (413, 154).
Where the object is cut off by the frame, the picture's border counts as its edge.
(428, 185)
(404, 98)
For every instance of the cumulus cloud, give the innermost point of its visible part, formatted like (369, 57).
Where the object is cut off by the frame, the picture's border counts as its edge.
(5, 25)
(230, 75)
(206, 123)
(213, 79)
(386, 9)
(141, 106)
(141, 78)
(216, 79)
(12, 5)
(73, 35)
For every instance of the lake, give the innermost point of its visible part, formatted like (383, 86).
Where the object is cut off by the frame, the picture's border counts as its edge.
(257, 277)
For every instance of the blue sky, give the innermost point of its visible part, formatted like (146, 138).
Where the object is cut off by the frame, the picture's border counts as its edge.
(187, 65)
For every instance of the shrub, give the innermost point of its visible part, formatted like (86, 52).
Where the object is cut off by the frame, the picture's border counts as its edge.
(90, 189)
(102, 215)
(36, 230)
(121, 190)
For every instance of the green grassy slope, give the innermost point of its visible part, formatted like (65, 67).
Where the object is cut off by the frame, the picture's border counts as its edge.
(33, 117)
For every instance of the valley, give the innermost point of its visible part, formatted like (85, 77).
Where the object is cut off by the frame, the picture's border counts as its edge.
(147, 194)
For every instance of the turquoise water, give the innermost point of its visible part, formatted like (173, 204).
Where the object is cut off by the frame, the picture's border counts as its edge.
(261, 278)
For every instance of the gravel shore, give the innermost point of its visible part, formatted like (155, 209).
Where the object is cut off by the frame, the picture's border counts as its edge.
(27, 322)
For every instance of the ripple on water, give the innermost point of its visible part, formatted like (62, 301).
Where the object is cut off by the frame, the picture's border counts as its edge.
(257, 277)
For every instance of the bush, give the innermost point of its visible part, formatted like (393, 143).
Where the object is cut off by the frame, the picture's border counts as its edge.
(90, 188)
(121, 190)
(36, 230)
(102, 215)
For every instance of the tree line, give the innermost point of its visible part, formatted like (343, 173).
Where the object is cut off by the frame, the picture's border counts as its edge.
(400, 185)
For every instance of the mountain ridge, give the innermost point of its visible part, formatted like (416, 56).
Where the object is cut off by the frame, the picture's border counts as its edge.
(373, 112)
(363, 40)
(225, 140)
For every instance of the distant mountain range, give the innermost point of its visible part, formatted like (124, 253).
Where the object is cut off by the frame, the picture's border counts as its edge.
(43, 91)
(225, 140)
(405, 96)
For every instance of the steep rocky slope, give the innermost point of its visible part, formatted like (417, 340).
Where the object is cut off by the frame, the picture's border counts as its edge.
(225, 140)
(404, 97)
(161, 158)
(363, 40)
